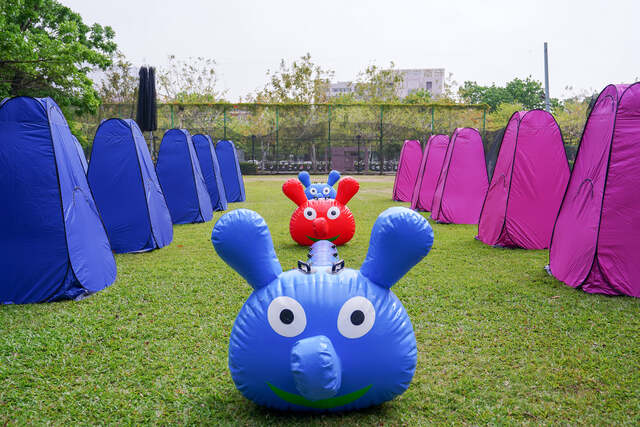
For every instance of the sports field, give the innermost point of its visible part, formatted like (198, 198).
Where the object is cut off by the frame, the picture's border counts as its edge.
(499, 341)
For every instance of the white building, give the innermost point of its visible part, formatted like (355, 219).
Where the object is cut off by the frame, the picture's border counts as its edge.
(431, 79)
(340, 88)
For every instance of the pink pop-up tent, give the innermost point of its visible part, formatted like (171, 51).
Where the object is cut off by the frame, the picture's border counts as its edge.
(528, 183)
(462, 184)
(429, 171)
(596, 239)
(408, 166)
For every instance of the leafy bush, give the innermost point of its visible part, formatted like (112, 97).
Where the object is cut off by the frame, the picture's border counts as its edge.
(248, 168)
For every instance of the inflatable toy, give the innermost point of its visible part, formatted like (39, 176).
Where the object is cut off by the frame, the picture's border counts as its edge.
(317, 190)
(322, 337)
(322, 219)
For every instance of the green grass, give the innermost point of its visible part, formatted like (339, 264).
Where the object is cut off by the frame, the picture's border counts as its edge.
(499, 341)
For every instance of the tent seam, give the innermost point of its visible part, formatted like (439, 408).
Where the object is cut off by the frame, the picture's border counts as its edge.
(193, 173)
(444, 185)
(64, 223)
(144, 188)
(606, 179)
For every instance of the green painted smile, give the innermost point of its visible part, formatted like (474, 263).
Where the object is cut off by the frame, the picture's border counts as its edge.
(332, 402)
(317, 240)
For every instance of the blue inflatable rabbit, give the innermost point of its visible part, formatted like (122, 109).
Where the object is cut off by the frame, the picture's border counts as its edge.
(322, 337)
(319, 191)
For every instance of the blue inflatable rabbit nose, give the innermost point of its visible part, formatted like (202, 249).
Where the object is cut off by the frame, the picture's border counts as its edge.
(316, 368)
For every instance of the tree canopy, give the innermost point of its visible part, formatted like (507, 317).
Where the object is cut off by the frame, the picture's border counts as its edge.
(375, 84)
(119, 83)
(302, 81)
(421, 96)
(189, 80)
(528, 92)
(47, 50)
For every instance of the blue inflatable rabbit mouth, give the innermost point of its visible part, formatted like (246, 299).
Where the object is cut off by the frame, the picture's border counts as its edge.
(331, 239)
(332, 402)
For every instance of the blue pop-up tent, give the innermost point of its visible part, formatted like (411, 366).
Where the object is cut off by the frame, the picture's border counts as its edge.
(126, 189)
(181, 179)
(210, 170)
(53, 245)
(230, 170)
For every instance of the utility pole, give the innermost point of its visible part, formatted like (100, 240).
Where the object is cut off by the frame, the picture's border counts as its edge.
(546, 79)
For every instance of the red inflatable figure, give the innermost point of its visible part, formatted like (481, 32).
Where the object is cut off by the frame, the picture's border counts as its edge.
(322, 219)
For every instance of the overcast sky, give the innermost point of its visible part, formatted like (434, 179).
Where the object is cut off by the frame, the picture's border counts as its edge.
(591, 42)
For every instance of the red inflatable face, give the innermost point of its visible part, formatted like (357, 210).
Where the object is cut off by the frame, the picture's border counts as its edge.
(322, 219)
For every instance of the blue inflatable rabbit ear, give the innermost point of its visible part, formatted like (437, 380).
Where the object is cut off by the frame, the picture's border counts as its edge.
(242, 239)
(334, 176)
(400, 238)
(304, 178)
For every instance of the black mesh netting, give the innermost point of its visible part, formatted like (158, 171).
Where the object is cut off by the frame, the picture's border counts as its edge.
(290, 138)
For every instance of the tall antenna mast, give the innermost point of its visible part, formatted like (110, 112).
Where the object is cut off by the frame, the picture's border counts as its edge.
(546, 79)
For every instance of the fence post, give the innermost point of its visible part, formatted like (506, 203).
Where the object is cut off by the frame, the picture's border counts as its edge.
(224, 119)
(253, 148)
(484, 122)
(380, 155)
(277, 139)
(153, 146)
(358, 169)
(432, 119)
(329, 142)
(171, 109)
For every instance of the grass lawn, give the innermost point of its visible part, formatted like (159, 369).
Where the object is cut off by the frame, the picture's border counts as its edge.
(499, 341)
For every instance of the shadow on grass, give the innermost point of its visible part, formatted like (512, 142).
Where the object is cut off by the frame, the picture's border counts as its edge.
(249, 413)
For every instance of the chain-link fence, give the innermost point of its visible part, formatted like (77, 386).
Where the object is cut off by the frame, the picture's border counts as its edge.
(286, 138)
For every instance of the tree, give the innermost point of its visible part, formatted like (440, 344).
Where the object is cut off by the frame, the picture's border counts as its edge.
(527, 92)
(449, 95)
(302, 81)
(375, 84)
(47, 50)
(345, 98)
(498, 119)
(119, 83)
(473, 93)
(421, 96)
(192, 80)
(572, 117)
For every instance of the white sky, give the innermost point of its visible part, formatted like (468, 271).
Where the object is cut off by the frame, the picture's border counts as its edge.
(591, 42)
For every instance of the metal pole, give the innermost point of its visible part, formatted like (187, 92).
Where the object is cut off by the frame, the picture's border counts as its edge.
(484, 121)
(358, 140)
(329, 142)
(380, 155)
(546, 79)
(253, 147)
(432, 115)
(153, 145)
(277, 138)
(171, 109)
(224, 113)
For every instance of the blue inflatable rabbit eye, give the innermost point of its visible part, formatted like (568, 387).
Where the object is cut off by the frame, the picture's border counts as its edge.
(286, 317)
(356, 317)
(317, 190)
(322, 337)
